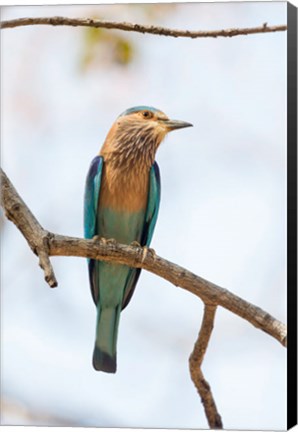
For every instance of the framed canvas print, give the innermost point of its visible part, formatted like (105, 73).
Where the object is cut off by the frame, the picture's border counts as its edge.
(149, 215)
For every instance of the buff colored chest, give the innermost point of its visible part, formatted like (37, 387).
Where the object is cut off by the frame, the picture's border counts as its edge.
(124, 191)
(122, 204)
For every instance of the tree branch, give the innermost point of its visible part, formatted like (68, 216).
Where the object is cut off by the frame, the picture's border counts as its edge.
(46, 244)
(58, 245)
(17, 211)
(179, 276)
(161, 31)
(195, 363)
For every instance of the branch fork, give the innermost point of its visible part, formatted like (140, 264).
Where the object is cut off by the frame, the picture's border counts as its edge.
(45, 244)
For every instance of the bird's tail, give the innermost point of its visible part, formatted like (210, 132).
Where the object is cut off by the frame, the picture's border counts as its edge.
(104, 354)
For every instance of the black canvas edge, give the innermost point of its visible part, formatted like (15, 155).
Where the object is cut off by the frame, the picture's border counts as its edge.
(292, 214)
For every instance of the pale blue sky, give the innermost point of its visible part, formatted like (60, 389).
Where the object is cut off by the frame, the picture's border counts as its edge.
(222, 216)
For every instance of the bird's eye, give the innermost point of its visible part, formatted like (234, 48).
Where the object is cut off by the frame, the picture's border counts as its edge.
(147, 114)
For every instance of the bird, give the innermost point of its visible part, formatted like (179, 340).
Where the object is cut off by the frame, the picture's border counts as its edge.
(121, 202)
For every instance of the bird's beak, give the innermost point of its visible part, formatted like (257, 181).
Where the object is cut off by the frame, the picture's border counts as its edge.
(175, 124)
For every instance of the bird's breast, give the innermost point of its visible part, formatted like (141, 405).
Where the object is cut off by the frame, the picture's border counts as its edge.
(125, 191)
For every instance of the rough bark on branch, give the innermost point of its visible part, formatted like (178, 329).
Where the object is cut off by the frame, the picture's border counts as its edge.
(195, 363)
(58, 245)
(17, 211)
(179, 276)
(45, 244)
(161, 31)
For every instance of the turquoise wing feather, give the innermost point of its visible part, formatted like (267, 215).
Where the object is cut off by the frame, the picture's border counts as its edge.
(92, 190)
(91, 197)
(149, 225)
(152, 205)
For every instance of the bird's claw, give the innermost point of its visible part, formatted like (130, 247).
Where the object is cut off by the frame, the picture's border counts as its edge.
(104, 240)
(145, 250)
(145, 253)
(111, 241)
(135, 244)
(97, 238)
(153, 253)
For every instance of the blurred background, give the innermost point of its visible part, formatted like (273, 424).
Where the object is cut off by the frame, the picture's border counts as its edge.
(222, 214)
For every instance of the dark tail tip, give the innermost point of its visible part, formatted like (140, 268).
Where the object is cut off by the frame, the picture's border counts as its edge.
(103, 361)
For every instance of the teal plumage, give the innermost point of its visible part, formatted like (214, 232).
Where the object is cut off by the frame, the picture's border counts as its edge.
(122, 196)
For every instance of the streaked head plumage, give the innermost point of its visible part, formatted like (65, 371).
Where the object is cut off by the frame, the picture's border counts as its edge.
(137, 133)
(144, 115)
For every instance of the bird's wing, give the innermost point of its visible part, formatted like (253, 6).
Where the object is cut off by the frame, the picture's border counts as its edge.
(152, 205)
(92, 189)
(149, 225)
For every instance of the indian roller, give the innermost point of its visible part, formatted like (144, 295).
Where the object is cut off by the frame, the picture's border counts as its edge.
(121, 202)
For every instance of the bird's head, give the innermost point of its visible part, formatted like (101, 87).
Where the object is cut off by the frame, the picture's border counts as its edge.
(138, 132)
(150, 121)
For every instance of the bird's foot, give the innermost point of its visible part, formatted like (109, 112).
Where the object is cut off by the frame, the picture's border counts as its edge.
(104, 240)
(144, 253)
(147, 250)
(97, 238)
(153, 253)
(135, 244)
(111, 241)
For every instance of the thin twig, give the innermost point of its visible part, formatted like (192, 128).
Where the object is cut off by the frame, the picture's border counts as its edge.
(155, 30)
(58, 245)
(195, 367)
